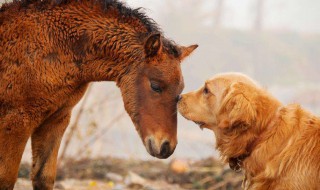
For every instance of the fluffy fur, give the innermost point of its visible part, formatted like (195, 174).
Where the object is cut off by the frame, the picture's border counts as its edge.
(277, 146)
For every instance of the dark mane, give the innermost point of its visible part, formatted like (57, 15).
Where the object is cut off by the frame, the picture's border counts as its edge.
(123, 12)
(121, 8)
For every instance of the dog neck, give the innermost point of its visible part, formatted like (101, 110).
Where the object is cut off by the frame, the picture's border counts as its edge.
(236, 163)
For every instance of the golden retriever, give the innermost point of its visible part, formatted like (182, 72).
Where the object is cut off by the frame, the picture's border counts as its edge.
(277, 146)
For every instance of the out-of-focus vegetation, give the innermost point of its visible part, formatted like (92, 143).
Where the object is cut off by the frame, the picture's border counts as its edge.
(270, 58)
(115, 173)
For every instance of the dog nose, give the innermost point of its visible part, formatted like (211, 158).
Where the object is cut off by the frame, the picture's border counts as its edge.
(165, 150)
(179, 98)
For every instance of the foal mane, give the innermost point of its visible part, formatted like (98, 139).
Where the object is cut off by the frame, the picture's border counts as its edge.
(112, 7)
(121, 8)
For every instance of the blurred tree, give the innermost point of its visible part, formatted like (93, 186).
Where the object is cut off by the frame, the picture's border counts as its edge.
(258, 23)
(219, 10)
(189, 15)
(74, 126)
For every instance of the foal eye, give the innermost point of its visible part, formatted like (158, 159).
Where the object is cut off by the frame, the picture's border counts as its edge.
(205, 90)
(156, 87)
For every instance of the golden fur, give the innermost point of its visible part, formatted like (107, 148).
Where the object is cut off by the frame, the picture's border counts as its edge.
(279, 145)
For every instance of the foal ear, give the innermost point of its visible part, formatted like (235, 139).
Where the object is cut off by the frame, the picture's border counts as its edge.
(186, 51)
(237, 109)
(152, 45)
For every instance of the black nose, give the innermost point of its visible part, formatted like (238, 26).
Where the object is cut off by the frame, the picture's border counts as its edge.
(179, 98)
(165, 150)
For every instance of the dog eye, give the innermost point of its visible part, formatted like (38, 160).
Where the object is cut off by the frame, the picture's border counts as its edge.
(205, 90)
(155, 87)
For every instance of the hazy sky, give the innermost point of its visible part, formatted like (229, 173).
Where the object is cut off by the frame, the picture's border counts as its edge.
(296, 15)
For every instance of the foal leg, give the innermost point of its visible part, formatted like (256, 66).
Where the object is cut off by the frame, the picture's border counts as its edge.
(45, 142)
(14, 134)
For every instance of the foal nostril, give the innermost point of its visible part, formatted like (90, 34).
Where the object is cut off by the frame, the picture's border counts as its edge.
(165, 150)
(179, 98)
(150, 147)
(160, 150)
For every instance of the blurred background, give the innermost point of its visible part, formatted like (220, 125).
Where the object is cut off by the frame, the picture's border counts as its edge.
(276, 42)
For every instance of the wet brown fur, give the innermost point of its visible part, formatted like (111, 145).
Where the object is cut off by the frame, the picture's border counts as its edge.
(51, 50)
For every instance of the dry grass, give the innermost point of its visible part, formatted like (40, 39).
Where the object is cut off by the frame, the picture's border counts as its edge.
(115, 173)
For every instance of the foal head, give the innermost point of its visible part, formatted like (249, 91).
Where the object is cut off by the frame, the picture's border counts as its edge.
(151, 90)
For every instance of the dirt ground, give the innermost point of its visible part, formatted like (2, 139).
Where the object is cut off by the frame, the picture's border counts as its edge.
(114, 173)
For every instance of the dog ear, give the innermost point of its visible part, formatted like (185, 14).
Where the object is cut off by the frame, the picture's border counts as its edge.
(237, 109)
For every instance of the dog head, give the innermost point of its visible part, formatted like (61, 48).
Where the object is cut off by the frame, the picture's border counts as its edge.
(222, 96)
(232, 105)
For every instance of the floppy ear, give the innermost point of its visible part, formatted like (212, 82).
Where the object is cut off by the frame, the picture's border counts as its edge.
(186, 51)
(237, 109)
(153, 45)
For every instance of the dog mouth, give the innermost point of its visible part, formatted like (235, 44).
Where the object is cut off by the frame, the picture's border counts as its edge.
(201, 124)
(188, 117)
